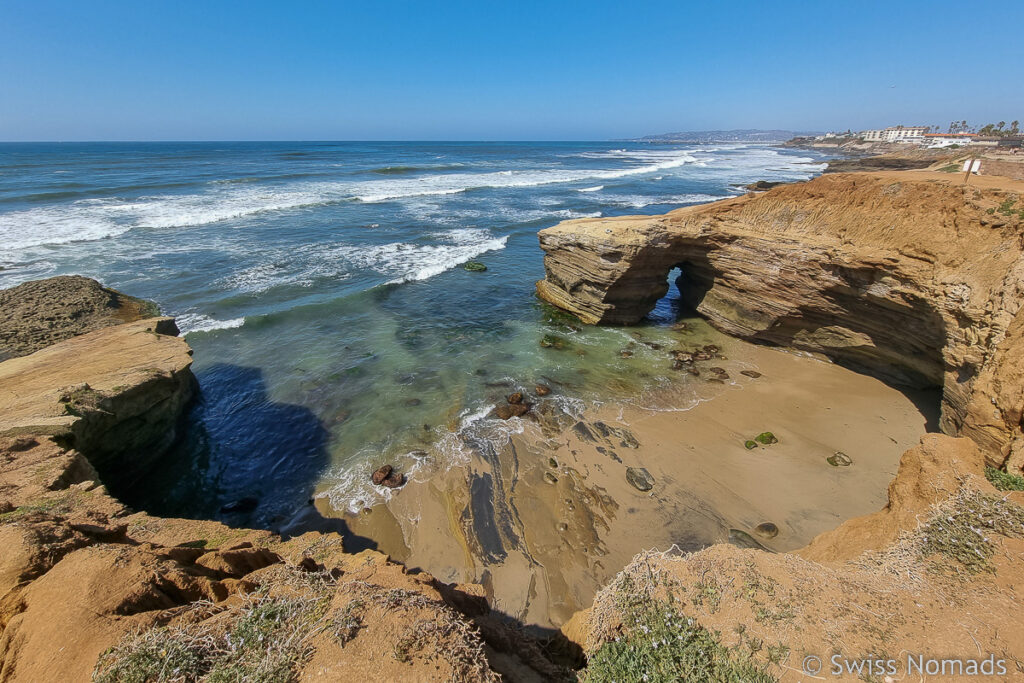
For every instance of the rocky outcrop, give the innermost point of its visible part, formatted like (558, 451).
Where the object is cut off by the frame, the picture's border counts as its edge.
(37, 314)
(86, 584)
(116, 394)
(909, 276)
(916, 577)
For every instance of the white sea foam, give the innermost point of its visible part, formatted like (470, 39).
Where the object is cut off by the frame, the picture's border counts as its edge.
(197, 322)
(595, 188)
(400, 262)
(93, 219)
(639, 201)
(419, 262)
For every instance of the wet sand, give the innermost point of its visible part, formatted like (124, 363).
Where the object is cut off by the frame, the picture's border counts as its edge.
(545, 521)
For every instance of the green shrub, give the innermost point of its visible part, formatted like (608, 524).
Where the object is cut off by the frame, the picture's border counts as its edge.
(962, 529)
(660, 645)
(1004, 481)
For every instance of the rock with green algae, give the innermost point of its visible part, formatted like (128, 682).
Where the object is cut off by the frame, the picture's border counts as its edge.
(553, 341)
(640, 478)
(766, 438)
(474, 267)
(749, 444)
(839, 459)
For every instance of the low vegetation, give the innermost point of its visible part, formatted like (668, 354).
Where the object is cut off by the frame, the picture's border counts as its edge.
(652, 640)
(1004, 481)
(267, 638)
(962, 530)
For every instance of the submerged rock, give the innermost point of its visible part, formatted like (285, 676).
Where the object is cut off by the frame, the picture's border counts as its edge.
(639, 478)
(553, 341)
(541, 389)
(750, 444)
(507, 411)
(240, 506)
(515, 398)
(753, 374)
(682, 356)
(766, 438)
(474, 267)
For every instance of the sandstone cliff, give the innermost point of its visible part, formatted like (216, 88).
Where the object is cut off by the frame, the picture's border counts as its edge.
(89, 588)
(911, 276)
(912, 579)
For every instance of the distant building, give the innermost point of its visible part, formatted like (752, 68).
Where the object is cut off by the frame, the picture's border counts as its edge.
(936, 140)
(999, 142)
(896, 134)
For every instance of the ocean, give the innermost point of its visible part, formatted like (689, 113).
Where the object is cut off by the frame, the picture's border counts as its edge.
(322, 287)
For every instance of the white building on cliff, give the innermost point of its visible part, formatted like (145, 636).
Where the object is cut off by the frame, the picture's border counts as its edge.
(896, 134)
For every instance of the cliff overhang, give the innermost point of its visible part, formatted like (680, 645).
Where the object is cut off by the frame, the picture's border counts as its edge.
(907, 275)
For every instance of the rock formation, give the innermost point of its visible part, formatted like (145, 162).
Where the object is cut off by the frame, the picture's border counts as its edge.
(910, 276)
(86, 584)
(37, 314)
(887, 584)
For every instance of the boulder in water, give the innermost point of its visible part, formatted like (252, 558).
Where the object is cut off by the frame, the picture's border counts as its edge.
(474, 267)
(382, 473)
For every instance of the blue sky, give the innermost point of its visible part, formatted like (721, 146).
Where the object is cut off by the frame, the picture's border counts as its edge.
(489, 70)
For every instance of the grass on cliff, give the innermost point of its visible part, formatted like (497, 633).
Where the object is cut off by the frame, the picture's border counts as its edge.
(266, 639)
(1004, 481)
(959, 537)
(656, 642)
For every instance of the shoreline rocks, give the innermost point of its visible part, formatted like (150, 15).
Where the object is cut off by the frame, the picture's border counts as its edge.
(81, 569)
(40, 313)
(385, 475)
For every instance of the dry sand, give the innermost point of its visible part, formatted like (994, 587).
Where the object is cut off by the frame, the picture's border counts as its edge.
(542, 548)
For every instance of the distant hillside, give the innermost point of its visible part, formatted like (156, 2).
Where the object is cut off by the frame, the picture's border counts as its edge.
(744, 135)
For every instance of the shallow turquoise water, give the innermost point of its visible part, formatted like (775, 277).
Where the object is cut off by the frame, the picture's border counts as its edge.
(321, 287)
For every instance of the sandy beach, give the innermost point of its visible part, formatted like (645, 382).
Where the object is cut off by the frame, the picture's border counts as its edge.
(548, 519)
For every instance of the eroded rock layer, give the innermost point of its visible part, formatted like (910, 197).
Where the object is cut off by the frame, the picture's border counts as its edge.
(88, 585)
(910, 276)
(36, 314)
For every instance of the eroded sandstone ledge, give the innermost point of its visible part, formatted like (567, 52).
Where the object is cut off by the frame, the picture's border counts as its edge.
(908, 275)
(36, 314)
(80, 573)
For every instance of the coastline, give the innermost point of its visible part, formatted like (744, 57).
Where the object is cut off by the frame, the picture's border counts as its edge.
(566, 538)
(85, 565)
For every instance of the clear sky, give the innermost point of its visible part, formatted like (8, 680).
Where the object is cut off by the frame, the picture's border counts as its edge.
(495, 70)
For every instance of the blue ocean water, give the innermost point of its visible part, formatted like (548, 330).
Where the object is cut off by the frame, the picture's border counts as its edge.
(321, 287)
